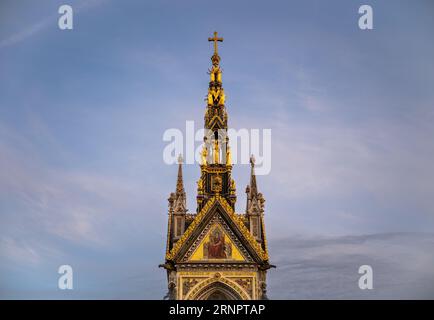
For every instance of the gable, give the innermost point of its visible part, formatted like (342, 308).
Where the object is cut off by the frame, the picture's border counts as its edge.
(217, 212)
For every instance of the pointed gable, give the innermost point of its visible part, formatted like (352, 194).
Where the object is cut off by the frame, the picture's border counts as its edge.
(217, 211)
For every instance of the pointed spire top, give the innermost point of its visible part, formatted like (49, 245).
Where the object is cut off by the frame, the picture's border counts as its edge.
(255, 200)
(253, 187)
(180, 159)
(252, 160)
(179, 181)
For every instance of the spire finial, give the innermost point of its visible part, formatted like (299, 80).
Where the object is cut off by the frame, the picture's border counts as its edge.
(253, 187)
(215, 57)
(215, 39)
(252, 160)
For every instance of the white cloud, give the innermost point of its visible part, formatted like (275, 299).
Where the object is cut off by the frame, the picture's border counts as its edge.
(39, 26)
(51, 203)
(18, 251)
(327, 267)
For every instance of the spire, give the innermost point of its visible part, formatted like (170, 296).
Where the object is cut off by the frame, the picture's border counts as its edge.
(179, 182)
(215, 117)
(177, 210)
(216, 141)
(178, 199)
(216, 158)
(255, 200)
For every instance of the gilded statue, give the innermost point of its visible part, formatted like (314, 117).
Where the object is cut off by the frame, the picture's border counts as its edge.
(204, 155)
(216, 152)
(228, 156)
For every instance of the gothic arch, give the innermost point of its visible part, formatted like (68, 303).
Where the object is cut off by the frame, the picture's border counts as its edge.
(217, 288)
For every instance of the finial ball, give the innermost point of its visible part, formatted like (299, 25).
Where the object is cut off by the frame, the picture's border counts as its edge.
(252, 160)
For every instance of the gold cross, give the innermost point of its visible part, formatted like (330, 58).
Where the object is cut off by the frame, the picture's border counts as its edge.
(215, 39)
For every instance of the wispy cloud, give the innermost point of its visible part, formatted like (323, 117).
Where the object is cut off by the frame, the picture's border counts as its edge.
(28, 32)
(82, 179)
(73, 204)
(39, 26)
(327, 267)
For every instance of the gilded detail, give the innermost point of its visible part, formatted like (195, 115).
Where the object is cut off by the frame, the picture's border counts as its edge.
(214, 254)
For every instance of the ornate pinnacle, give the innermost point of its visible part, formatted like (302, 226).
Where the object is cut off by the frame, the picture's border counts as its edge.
(179, 182)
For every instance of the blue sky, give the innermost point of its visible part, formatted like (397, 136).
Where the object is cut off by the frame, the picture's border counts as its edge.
(83, 112)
